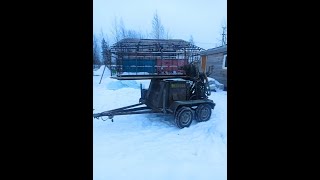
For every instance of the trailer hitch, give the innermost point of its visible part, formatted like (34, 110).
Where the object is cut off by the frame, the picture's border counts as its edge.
(132, 109)
(100, 115)
(109, 117)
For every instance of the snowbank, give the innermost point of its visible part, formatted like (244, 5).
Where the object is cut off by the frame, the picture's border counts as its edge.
(117, 84)
(113, 84)
(215, 85)
(100, 71)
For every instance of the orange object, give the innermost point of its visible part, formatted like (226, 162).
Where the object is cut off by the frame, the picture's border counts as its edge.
(203, 63)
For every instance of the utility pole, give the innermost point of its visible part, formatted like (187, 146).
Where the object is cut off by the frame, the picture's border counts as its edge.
(224, 36)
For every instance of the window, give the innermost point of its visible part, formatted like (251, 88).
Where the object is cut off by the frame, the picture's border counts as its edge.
(224, 64)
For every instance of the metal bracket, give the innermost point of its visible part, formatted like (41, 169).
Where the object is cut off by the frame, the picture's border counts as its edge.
(111, 117)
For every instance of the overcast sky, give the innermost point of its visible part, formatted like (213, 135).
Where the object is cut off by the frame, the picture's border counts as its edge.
(202, 19)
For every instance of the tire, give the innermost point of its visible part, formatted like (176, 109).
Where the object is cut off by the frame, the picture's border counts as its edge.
(203, 112)
(183, 117)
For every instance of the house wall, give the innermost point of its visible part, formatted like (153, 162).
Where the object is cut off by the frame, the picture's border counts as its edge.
(218, 73)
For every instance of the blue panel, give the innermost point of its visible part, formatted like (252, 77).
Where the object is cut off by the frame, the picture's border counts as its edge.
(139, 65)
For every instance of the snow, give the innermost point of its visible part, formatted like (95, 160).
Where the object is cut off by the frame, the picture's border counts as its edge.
(150, 146)
(116, 84)
(135, 73)
(215, 85)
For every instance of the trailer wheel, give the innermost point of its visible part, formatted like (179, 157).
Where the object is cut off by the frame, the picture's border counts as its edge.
(203, 112)
(183, 117)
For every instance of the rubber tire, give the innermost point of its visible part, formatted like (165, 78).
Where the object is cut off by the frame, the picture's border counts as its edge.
(183, 117)
(203, 112)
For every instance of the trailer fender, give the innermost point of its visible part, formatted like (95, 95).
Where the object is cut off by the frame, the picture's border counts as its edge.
(177, 104)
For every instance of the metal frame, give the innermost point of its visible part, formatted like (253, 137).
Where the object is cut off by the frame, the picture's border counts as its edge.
(159, 49)
(126, 111)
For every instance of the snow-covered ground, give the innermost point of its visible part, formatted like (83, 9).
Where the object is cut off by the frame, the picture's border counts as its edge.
(150, 146)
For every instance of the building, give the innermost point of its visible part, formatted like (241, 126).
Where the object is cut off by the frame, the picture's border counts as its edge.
(216, 60)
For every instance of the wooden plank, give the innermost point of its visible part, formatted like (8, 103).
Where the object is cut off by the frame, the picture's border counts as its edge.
(203, 63)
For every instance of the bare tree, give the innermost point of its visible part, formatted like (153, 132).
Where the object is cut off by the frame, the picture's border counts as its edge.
(168, 34)
(96, 54)
(191, 40)
(101, 34)
(120, 31)
(123, 30)
(141, 35)
(116, 30)
(157, 27)
(133, 34)
(147, 34)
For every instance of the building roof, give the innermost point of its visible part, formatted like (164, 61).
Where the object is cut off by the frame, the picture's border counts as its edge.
(221, 49)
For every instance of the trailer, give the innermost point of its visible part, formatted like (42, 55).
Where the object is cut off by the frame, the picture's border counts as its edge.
(177, 86)
(183, 96)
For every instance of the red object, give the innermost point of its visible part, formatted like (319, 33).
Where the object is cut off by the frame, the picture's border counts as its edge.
(169, 66)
